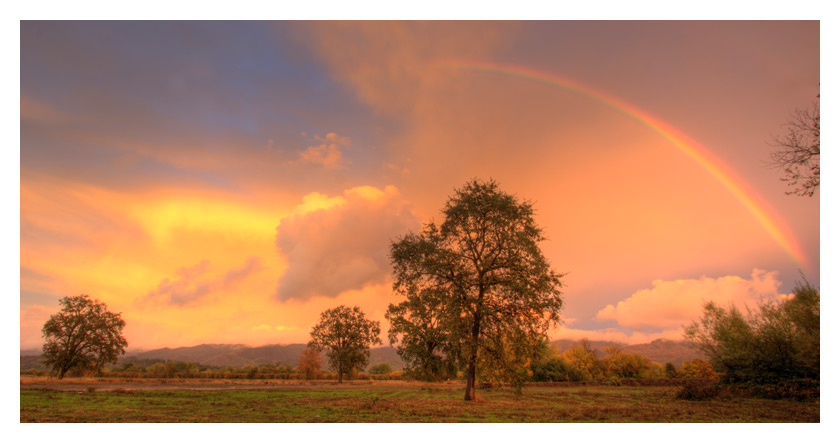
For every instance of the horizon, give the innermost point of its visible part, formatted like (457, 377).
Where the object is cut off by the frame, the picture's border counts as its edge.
(228, 182)
(129, 350)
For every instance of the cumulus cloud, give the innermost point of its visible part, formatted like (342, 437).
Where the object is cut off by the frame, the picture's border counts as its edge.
(615, 335)
(189, 285)
(327, 154)
(672, 304)
(340, 243)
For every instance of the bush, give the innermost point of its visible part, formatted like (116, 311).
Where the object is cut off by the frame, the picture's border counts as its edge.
(556, 369)
(775, 344)
(381, 369)
(697, 368)
(698, 390)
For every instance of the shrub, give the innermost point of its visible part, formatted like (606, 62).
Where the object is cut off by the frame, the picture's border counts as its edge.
(777, 343)
(698, 390)
(697, 368)
(381, 369)
(556, 369)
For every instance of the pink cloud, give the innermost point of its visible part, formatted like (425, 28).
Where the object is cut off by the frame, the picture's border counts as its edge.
(673, 304)
(341, 243)
(189, 286)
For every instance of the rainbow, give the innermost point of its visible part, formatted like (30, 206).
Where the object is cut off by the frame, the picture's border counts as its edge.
(766, 216)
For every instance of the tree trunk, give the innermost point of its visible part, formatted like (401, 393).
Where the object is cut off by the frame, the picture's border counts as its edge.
(339, 376)
(470, 393)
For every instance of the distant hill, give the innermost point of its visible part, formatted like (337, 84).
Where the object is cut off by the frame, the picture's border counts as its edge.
(241, 355)
(660, 350)
(215, 355)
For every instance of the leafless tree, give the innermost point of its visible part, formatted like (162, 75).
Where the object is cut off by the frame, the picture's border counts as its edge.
(798, 152)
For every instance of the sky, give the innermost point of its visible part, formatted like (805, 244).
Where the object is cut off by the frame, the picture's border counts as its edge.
(226, 182)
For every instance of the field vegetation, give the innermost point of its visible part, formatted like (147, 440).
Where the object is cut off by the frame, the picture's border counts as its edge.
(313, 402)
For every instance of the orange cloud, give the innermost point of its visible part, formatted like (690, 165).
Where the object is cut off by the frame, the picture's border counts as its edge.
(389, 63)
(327, 154)
(341, 243)
(189, 287)
(672, 304)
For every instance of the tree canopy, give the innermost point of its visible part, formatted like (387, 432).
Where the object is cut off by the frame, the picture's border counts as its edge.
(347, 335)
(83, 334)
(477, 287)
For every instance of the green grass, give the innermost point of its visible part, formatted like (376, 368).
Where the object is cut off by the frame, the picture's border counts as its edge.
(375, 403)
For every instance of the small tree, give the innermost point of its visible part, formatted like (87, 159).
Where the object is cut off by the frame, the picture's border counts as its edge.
(381, 369)
(671, 370)
(310, 363)
(798, 151)
(346, 335)
(83, 334)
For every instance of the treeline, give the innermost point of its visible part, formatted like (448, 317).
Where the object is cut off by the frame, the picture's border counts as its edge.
(153, 368)
(578, 363)
(581, 363)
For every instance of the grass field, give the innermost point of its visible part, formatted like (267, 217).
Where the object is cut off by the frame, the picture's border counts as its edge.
(398, 402)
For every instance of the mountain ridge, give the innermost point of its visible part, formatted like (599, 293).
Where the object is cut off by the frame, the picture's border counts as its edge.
(237, 355)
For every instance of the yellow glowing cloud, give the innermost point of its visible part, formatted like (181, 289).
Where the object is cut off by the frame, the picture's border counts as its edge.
(161, 220)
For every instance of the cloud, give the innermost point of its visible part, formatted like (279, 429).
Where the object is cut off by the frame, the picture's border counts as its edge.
(340, 243)
(189, 287)
(672, 304)
(269, 328)
(327, 154)
(615, 335)
(388, 64)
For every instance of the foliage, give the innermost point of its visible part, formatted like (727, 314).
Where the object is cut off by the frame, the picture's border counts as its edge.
(310, 363)
(424, 346)
(697, 368)
(478, 285)
(381, 369)
(778, 342)
(582, 358)
(83, 335)
(798, 153)
(671, 370)
(347, 335)
(556, 369)
(618, 363)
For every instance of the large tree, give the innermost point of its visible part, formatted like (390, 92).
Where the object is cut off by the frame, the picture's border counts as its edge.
(84, 334)
(478, 283)
(347, 335)
(797, 152)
